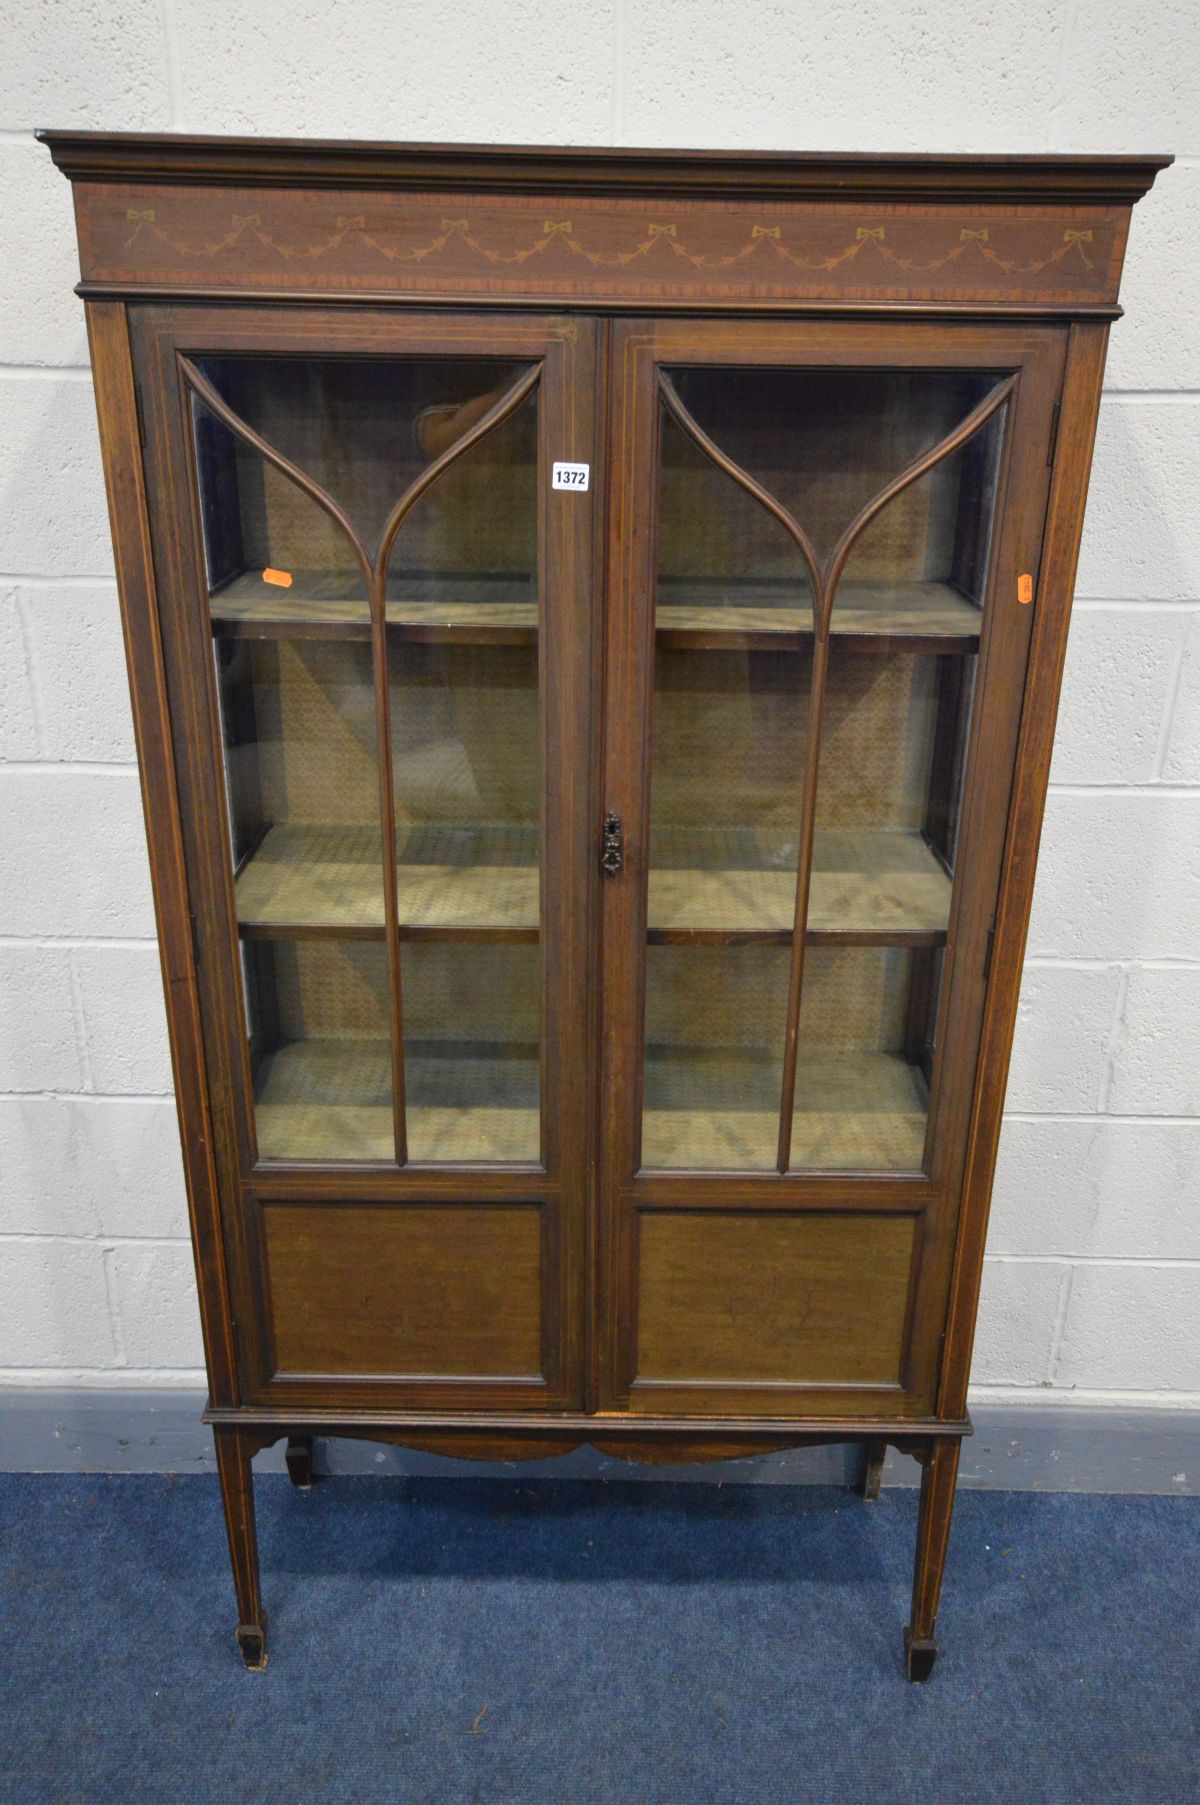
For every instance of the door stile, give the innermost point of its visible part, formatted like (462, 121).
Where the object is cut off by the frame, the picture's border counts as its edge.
(553, 400)
(597, 550)
(628, 657)
(570, 728)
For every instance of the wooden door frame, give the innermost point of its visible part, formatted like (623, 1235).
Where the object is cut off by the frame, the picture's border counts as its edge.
(639, 346)
(565, 345)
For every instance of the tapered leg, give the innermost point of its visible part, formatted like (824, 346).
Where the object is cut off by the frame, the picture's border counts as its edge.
(299, 1459)
(237, 1494)
(933, 1536)
(876, 1452)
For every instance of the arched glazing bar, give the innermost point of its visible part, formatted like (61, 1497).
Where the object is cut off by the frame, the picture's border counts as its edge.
(804, 545)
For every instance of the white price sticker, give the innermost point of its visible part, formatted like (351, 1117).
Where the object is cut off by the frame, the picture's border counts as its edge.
(571, 476)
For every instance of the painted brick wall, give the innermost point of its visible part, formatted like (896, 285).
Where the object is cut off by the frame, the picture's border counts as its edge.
(1093, 1284)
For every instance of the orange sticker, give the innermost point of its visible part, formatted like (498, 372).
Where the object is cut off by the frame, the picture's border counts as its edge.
(1024, 587)
(283, 578)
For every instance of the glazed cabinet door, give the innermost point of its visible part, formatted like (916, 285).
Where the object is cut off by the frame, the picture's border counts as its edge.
(376, 620)
(826, 541)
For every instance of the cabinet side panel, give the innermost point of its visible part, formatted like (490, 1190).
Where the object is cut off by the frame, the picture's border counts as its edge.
(1064, 526)
(120, 446)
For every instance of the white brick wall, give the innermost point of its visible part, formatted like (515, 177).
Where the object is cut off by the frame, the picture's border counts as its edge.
(1093, 1282)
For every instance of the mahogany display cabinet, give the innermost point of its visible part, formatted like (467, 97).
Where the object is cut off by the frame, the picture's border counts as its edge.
(595, 623)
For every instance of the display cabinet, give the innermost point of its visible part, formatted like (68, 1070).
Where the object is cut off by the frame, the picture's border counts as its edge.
(595, 622)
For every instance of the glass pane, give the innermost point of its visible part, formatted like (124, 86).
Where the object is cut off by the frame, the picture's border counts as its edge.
(714, 1056)
(723, 562)
(361, 428)
(729, 748)
(471, 1040)
(467, 795)
(733, 776)
(364, 430)
(466, 786)
(823, 443)
(320, 1050)
(467, 552)
(291, 620)
(872, 869)
(861, 1102)
(894, 732)
(302, 778)
(730, 730)
(925, 553)
(274, 557)
(298, 720)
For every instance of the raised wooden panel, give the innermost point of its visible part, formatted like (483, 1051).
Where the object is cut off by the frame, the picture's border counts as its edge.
(414, 1290)
(749, 1299)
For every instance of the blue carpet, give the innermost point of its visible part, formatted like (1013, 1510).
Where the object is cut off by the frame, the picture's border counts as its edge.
(559, 1642)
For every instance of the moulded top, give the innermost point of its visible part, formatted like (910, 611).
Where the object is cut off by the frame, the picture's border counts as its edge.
(175, 158)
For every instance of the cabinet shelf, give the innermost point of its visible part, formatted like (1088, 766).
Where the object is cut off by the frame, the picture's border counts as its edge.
(472, 1102)
(453, 883)
(873, 616)
(483, 884)
(327, 605)
(720, 1109)
(331, 1099)
(867, 887)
